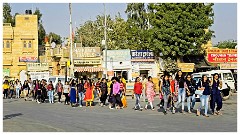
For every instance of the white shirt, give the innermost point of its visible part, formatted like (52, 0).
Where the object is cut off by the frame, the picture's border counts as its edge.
(66, 88)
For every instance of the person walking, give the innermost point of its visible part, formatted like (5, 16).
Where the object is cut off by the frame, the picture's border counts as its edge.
(11, 87)
(173, 93)
(165, 90)
(18, 87)
(116, 94)
(73, 93)
(138, 91)
(25, 90)
(97, 88)
(31, 88)
(104, 92)
(66, 91)
(110, 92)
(150, 93)
(180, 87)
(161, 103)
(5, 89)
(38, 91)
(80, 89)
(89, 96)
(216, 95)
(190, 94)
(59, 90)
(204, 85)
(50, 89)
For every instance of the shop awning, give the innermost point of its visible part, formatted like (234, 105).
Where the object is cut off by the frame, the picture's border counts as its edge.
(89, 69)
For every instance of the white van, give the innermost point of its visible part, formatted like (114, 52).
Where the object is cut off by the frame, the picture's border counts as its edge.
(55, 79)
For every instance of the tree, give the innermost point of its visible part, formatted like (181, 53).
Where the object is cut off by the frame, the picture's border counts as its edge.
(7, 17)
(54, 38)
(179, 29)
(92, 33)
(139, 34)
(227, 44)
(41, 30)
(170, 65)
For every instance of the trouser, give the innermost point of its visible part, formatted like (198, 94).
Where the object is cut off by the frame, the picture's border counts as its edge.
(181, 97)
(25, 93)
(189, 99)
(144, 96)
(11, 92)
(59, 96)
(81, 97)
(34, 94)
(5, 92)
(165, 97)
(17, 92)
(117, 99)
(137, 100)
(204, 102)
(43, 95)
(67, 98)
(39, 97)
(50, 96)
(216, 98)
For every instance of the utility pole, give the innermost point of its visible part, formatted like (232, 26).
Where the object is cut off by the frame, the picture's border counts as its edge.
(71, 44)
(105, 39)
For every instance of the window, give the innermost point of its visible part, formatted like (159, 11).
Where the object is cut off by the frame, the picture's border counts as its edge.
(24, 44)
(8, 44)
(227, 76)
(29, 44)
(3, 44)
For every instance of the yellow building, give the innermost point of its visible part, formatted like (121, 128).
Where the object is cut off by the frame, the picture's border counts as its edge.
(20, 45)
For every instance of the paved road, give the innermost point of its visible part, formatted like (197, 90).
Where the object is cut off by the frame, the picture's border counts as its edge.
(29, 116)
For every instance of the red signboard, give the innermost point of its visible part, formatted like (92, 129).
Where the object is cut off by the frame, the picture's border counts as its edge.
(222, 55)
(28, 59)
(222, 58)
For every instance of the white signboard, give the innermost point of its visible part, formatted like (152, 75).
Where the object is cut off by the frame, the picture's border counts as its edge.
(39, 75)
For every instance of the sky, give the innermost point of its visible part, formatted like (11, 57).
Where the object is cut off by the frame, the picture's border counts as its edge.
(56, 16)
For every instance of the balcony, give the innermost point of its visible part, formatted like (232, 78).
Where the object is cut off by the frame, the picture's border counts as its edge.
(66, 53)
(49, 53)
(7, 50)
(57, 52)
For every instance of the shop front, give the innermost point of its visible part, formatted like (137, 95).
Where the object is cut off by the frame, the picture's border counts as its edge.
(87, 62)
(119, 63)
(143, 63)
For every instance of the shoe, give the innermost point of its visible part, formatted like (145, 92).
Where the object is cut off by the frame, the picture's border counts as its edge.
(165, 112)
(206, 115)
(219, 113)
(189, 112)
(25, 99)
(173, 111)
(80, 106)
(153, 109)
(198, 112)
(111, 108)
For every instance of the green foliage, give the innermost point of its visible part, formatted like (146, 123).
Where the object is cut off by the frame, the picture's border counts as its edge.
(41, 30)
(177, 26)
(138, 33)
(7, 17)
(91, 33)
(170, 65)
(54, 38)
(227, 44)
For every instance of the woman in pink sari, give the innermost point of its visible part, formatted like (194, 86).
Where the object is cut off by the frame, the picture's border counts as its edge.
(150, 92)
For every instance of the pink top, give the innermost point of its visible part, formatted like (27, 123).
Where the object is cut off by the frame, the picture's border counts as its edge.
(116, 88)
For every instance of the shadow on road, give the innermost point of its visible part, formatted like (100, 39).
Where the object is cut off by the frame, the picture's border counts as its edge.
(10, 116)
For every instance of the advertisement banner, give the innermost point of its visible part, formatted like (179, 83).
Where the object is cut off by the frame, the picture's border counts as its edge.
(86, 52)
(142, 54)
(39, 75)
(186, 67)
(28, 59)
(228, 66)
(222, 58)
(6, 72)
(118, 55)
(222, 55)
(37, 67)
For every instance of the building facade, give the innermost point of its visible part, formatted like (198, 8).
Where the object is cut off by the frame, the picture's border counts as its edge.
(20, 45)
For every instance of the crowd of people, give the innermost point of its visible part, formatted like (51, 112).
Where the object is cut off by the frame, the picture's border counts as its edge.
(172, 92)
